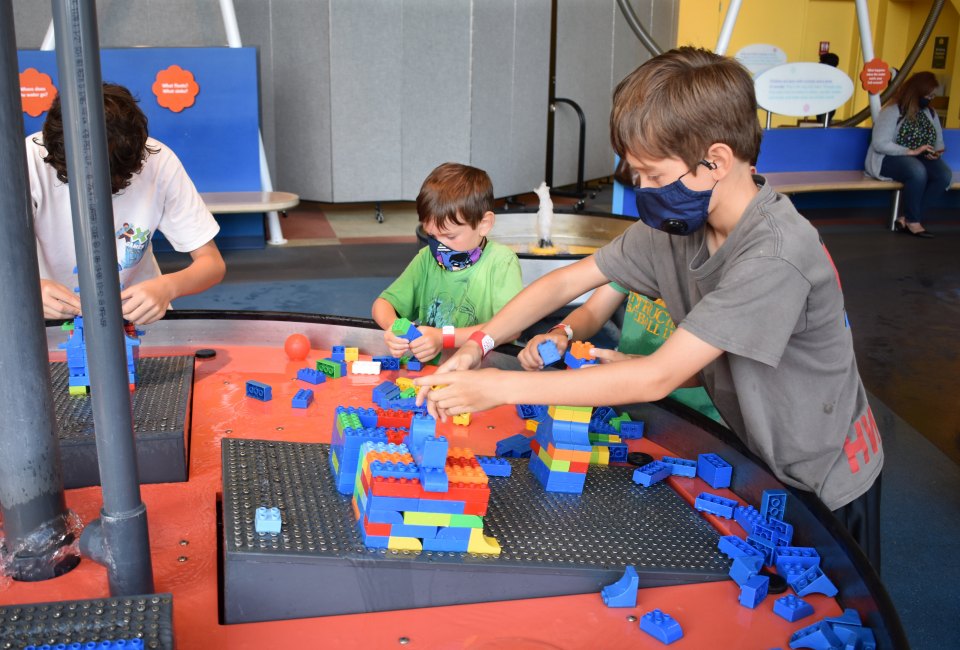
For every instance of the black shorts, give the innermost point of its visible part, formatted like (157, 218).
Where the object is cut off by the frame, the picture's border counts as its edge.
(861, 517)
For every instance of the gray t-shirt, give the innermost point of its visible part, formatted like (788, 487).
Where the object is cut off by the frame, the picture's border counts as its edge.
(770, 298)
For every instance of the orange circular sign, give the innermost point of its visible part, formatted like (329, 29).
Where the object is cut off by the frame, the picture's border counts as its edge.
(875, 76)
(175, 88)
(37, 92)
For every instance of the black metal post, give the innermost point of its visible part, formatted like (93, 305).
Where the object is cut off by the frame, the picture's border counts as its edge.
(551, 91)
(119, 539)
(581, 152)
(31, 485)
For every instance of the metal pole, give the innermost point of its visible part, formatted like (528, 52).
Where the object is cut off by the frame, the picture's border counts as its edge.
(31, 485)
(551, 91)
(866, 46)
(119, 539)
(726, 31)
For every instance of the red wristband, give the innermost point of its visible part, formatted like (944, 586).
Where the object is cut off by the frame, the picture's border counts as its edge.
(449, 337)
(484, 340)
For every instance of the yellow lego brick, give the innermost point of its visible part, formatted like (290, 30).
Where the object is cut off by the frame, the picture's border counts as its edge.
(413, 518)
(558, 465)
(403, 383)
(481, 544)
(405, 544)
(578, 416)
(466, 521)
(351, 354)
(78, 390)
(600, 456)
(532, 425)
(463, 419)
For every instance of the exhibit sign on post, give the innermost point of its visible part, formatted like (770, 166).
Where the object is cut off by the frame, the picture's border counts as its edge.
(760, 57)
(803, 89)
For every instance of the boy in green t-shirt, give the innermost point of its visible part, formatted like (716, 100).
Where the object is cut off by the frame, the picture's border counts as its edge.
(646, 325)
(460, 280)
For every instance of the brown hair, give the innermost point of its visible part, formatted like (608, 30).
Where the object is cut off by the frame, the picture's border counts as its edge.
(908, 95)
(126, 137)
(455, 193)
(679, 103)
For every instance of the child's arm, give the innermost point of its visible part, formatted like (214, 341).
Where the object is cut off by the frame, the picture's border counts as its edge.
(384, 314)
(148, 301)
(641, 379)
(585, 321)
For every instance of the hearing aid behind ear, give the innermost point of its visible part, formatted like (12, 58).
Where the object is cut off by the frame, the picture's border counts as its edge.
(708, 164)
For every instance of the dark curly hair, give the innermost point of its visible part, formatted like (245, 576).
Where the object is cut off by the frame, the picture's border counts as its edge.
(126, 137)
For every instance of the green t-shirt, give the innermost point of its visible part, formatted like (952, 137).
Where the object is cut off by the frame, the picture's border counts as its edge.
(646, 325)
(433, 296)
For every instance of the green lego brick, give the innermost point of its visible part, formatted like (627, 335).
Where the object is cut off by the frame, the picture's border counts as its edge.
(466, 521)
(427, 518)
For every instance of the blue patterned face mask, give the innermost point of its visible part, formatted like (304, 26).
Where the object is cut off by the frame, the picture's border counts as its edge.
(674, 208)
(453, 260)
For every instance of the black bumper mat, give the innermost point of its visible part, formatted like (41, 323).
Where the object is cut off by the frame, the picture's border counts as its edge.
(552, 544)
(149, 618)
(161, 419)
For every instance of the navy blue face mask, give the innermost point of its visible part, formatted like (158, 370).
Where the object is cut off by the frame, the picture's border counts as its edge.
(453, 260)
(674, 208)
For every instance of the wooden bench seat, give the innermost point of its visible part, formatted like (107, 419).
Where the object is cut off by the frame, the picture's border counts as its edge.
(243, 202)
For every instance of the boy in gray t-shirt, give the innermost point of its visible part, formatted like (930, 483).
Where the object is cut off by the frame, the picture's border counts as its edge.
(757, 301)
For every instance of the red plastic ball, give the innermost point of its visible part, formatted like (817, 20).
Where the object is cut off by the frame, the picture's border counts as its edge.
(297, 347)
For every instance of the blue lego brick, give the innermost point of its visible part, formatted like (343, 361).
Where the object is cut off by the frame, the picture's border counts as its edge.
(597, 426)
(818, 636)
(747, 517)
(532, 411)
(803, 556)
(311, 376)
(618, 452)
(574, 363)
(570, 482)
(405, 404)
(422, 427)
(414, 364)
(714, 470)
(744, 568)
(442, 506)
(380, 469)
(367, 416)
(302, 398)
(661, 626)
(549, 354)
(338, 353)
(388, 363)
(812, 581)
(623, 592)
(715, 505)
(409, 530)
(765, 534)
(446, 545)
(454, 532)
(494, 466)
(516, 446)
(380, 502)
(434, 479)
(734, 547)
(267, 521)
(431, 452)
(575, 433)
(630, 430)
(258, 390)
(411, 334)
(753, 591)
(383, 516)
(774, 504)
(679, 466)
(603, 414)
(768, 550)
(651, 473)
(782, 530)
(792, 608)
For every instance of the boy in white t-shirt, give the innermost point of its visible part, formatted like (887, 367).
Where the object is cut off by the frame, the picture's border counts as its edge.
(151, 191)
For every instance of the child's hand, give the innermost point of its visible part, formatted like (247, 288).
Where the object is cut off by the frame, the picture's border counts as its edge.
(398, 346)
(147, 301)
(461, 392)
(530, 356)
(610, 356)
(58, 301)
(428, 345)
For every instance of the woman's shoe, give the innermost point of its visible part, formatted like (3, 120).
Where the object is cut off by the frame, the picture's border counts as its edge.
(926, 234)
(900, 226)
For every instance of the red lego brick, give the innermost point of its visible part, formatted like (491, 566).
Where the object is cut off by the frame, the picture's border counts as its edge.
(394, 418)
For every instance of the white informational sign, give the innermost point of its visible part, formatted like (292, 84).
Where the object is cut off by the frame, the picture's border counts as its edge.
(802, 89)
(760, 57)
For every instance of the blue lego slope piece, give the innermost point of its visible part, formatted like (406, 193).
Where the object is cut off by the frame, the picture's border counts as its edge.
(515, 446)
(494, 466)
(434, 479)
(532, 411)
(661, 626)
(651, 473)
(603, 414)
(623, 592)
(769, 550)
(311, 376)
(715, 505)
(803, 556)
(774, 504)
(679, 466)
(819, 636)
(744, 568)
(792, 608)
(714, 470)
(302, 399)
(259, 390)
(812, 581)
(734, 547)
(267, 521)
(754, 590)
(630, 430)
(549, 354)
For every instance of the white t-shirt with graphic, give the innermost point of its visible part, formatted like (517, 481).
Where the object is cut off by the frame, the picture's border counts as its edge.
(160, 197)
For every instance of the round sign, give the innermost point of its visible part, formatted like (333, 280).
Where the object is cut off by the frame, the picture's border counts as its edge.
(802, 89)
(759, 57)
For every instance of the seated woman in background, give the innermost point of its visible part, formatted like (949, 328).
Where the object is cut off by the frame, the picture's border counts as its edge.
(906, 146)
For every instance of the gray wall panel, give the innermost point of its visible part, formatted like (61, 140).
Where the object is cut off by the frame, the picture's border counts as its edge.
(664, 15)
(253, 19)
(531, 82)
(436, 88)
(366, 86)
(31, 19)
